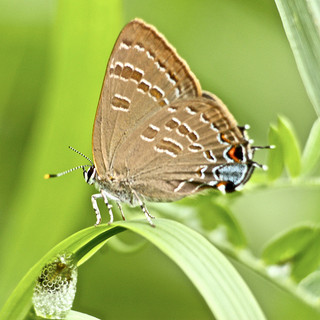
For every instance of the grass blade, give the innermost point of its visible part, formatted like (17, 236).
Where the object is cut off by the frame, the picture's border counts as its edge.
(311, 152)
(222, 288)
(290, 145)
(300, 19)
(275, 157)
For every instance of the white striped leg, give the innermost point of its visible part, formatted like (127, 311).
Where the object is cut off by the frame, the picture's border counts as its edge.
(109, 206)
(147, 214)
(121, 211)
(94, 198)
(145, 211)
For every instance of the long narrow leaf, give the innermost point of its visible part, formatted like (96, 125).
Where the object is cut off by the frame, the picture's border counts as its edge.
(289, 244)
(300, 19)
(310, 285)
(224, 291)
(291, 149)
(222, 288)
(275, 157)
(311, 152)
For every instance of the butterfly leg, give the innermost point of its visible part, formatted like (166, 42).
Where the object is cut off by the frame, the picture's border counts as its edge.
(147, 214)
(109, 206)
(121, 211)
(145, 210)
(94, 198)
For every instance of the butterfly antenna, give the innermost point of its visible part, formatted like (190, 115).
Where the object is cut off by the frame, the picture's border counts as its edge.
(261, 166)
(258, 165)
(48, 175)
(263, 147)
(81, 154)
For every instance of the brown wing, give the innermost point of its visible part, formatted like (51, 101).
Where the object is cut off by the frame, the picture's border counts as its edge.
(144, 75)
(174, 153)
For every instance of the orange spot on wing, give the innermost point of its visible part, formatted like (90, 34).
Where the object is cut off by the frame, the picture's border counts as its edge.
(225, 139)
(231, 154)
(221, 183)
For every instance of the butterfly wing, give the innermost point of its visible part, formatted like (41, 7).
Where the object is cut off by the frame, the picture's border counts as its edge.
(179, 150)
(144, 75)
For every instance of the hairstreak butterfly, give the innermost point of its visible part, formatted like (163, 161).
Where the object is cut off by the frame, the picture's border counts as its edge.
(157, 135)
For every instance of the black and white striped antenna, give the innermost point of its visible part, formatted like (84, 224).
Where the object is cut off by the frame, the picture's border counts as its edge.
(56, 175)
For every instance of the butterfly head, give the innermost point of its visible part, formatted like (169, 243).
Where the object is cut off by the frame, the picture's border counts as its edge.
(90, 174)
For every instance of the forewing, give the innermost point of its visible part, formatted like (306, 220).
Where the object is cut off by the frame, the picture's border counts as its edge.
(144, 75)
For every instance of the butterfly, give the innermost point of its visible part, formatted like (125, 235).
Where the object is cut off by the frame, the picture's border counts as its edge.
(157, 136)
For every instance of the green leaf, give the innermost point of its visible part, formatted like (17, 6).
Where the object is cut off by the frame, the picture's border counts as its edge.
(300, 19)
(308, 260)
(291, 149)
(279, 299)
(74, 315)
(298, 246)
(82, 244)
(216, 220)
(275, 156)
(311, 152)
(310, 285)
(288, 244)
(127, 243)
(222, 288)
(221, 225)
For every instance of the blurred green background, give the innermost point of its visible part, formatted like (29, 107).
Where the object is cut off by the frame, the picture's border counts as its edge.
(53, 59)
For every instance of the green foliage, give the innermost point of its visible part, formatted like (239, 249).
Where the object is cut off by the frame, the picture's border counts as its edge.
(290, 146)
(299, 247)
(73, 315)
(287, 151)
(287, 246)
(310, 285)
(311, 152)
(50, 85)
(300, 20)
(275, 157)
(211, 273)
